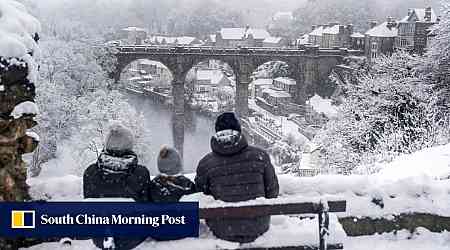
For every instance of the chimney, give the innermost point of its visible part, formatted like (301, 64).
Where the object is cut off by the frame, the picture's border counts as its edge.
(428, 14)
(341, 29)
(372, 24)
(350, 29)
(313, 27)
(391, 23)
(410, 11)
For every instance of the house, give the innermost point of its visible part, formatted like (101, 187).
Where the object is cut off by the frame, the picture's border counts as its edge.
(147, 67)
(258, 85)
(181, 40)
(133, 35)
(210, 80)
(287, 84)
(357, 41)
(245, 37)
(276, 97)
(303, 40)
(315, 36)
(277, 42)
(211, 40)
(413, 30)
(380, 39)
(336, 35)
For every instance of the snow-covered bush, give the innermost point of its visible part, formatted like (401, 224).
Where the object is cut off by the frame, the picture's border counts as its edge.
(391, 110)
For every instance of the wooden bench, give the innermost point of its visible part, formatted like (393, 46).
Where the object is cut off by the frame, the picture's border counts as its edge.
(252, 211)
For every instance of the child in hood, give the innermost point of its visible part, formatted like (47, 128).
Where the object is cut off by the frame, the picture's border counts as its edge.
(170, 185)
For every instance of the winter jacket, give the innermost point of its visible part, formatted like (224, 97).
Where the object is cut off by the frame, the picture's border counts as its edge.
(167, 188)
(117, 175)
(233, 172)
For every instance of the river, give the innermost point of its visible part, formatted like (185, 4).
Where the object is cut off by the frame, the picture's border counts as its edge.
(158, 118)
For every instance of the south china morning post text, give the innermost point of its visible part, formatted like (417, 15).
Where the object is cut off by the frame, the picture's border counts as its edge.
(99, 219)
(114, 219)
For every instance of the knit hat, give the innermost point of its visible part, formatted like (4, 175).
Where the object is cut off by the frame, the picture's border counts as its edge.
(169, 161)
(119, 138)
(227, 120)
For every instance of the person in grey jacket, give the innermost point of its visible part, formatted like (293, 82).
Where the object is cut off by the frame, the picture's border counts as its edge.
(235, 171)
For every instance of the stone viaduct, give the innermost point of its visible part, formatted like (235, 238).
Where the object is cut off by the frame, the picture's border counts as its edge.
(308, 65)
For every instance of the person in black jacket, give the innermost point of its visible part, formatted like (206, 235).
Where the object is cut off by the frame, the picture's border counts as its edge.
(234, 172)
(170, 185)
(117, 174)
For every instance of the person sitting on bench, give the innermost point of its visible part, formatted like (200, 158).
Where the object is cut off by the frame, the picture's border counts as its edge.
(235, 171)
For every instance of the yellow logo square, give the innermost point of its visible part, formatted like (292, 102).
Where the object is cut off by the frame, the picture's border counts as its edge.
(22, 219)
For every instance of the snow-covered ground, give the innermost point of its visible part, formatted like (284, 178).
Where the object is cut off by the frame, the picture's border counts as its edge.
(411, 183)
(321, 105)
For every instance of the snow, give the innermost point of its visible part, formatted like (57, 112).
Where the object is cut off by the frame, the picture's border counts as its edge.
(303, 39)
(382, 30)
(2, 88)
(214, 76)
(420, 14)
(277, 93)
(422, 239)
(317, 32)
(286, 80)
(357, 35)
(33, 135)
(334, 30)
(17, 29)
(25, 108)
(262, 81)
(272, 39)
(403, 240)
(324, 106)
(239, 33)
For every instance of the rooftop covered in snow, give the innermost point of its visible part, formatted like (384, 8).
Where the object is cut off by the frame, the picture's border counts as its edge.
(383, 30)
(240, 33)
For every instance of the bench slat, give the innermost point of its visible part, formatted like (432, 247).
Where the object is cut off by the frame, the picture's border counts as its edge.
(272, 209)
(329, 247)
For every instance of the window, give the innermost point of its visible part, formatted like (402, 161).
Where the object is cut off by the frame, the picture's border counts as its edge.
(374, 50)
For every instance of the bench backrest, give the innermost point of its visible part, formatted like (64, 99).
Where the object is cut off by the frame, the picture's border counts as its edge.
(249, 211)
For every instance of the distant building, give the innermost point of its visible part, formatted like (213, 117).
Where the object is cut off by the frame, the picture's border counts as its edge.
(286, 84)
(181, 40)
(380, 39)
(336, 35)
(278, 42)
(210, 80)
(245, 37)
(315, 36)
(303, 40)
(211, 40)
(330, 36)
(275, 96)
(357, 41)
(133, 35)
(258, 85)
(413, 30)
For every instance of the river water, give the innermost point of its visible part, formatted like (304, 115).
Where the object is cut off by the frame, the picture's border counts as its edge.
(158, 118)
